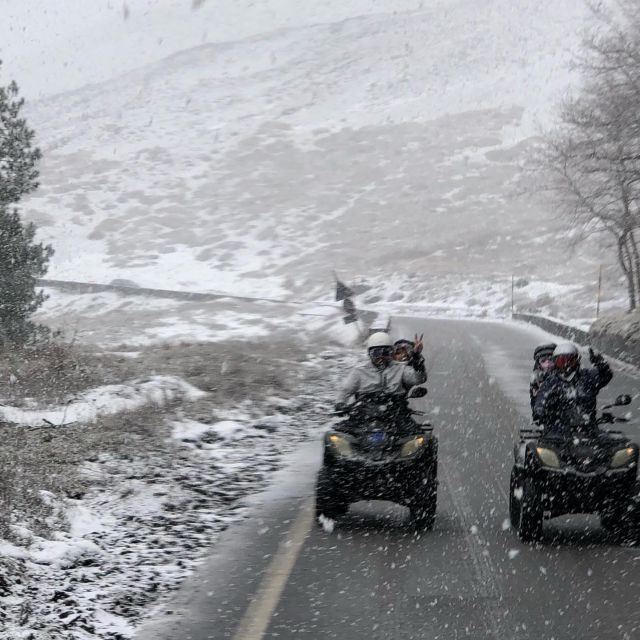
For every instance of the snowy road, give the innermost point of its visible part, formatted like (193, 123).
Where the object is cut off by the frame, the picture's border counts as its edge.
(373, 577)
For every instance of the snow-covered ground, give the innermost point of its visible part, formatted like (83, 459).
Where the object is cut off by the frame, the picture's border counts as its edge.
(110, 320)
(147, 513)
(274, 144)
(88, 406)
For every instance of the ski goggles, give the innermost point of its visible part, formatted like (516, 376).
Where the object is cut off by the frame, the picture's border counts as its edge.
(568, 361)
(381, 352)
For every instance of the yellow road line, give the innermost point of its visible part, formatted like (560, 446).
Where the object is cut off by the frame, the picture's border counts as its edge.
(258, 615)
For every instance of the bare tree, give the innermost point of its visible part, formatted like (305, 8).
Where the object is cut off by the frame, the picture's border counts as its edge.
(591, 161)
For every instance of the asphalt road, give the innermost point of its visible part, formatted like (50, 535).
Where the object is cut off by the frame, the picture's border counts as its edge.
(279, 575)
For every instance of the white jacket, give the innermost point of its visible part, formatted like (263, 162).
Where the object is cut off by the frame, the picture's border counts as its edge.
(396, 379)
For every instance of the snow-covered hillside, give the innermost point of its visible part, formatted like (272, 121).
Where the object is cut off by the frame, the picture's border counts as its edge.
(61, 45)
(365, 136)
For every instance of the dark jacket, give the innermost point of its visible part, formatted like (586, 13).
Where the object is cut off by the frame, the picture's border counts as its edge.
(561, 405)
(538, 376)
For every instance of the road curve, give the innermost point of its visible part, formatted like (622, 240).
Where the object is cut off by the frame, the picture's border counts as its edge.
(277, 575)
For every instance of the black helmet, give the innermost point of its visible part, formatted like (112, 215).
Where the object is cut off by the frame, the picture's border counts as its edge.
(544, 350)
(403, 350)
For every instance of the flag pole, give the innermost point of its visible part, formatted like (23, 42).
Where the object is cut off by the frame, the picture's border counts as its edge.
(599, 292)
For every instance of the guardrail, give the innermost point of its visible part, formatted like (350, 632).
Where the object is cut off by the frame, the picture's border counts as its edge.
(91, 287)
(611, 344)
(554, 326)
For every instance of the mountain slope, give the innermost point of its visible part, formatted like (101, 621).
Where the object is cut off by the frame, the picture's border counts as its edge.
(376, 144)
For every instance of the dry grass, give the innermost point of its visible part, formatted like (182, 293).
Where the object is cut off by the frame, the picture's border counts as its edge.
(33, 460)
(50, 373)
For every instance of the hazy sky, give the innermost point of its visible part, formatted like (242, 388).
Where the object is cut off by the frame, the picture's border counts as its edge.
(50, 46)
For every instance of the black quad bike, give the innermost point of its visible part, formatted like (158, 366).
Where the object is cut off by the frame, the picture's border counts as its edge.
(593, 470)
(381, 450)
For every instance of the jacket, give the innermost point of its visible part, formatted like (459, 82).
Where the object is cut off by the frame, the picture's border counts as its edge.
(396, 379)
(561, 404)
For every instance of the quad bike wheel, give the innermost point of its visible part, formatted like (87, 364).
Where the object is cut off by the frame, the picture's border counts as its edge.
(515, 499)
(423, 507)
(329, 502)
(619, 521)
(530, 517)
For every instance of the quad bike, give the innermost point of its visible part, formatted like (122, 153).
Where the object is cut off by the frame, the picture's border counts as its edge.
(593, 470)
(380, 451)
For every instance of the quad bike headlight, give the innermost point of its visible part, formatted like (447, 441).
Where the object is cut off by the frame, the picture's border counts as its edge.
(622, 457)
(341, 445)
(548, 457)
(410, 447)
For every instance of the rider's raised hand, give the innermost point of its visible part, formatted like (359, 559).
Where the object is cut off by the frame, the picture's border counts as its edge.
(418, 345)
(595, 357)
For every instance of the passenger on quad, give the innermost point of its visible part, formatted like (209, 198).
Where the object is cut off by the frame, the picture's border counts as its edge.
(542, 367)
(567, 398)
(382, 374)
(409, 351)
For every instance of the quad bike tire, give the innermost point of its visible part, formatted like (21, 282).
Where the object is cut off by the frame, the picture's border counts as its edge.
(621, 522)
(329, 502)
(515, 499)
(531, 518)
(423, 508)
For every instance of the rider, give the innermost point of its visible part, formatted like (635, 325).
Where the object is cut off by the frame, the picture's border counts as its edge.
(409, 352)
(542, 366)
(567, 397)
(382, 373)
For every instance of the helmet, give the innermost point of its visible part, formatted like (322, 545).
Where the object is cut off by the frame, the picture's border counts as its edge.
(566, 359)
(544, 350)
(380, 348)
(543, 356)
(379, 339)
(403, 350)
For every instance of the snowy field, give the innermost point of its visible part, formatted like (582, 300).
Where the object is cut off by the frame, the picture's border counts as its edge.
(255, 148)
(131, 483)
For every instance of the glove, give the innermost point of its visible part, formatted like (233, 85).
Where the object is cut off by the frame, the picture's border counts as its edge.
(417, 361)
(595, 357)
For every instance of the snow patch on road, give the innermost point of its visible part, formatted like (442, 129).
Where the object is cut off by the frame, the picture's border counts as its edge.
(513, 374)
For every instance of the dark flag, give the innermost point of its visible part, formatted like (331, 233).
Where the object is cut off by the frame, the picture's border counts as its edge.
(350, 312)
(342, 291)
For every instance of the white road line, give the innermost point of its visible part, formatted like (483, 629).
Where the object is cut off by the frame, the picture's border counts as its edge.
(258, 615)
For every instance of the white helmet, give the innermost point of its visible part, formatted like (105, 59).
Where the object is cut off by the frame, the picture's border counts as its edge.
(565, 349)
(380, 349)
(566, 358)
(379, 339)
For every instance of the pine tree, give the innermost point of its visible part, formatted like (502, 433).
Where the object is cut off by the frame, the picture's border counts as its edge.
(18, 158)
(22, 260)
